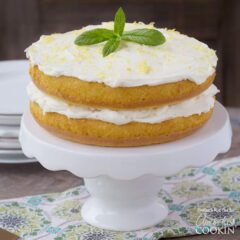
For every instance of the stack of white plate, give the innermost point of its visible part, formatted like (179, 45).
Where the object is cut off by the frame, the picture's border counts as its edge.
(13, 100)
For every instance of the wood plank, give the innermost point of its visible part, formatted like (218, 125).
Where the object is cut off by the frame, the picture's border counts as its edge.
(3, 26)
(20, 27)
(32, 179)
(198, 18)
(231, 52)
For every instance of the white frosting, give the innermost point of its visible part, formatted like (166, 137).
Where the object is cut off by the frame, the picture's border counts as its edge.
(197, 105)
(180, 57)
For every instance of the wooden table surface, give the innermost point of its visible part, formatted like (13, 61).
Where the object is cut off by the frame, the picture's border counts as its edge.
(31, 179)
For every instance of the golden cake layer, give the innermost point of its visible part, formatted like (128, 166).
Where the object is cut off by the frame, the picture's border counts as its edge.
(96, 132)
(99, 95)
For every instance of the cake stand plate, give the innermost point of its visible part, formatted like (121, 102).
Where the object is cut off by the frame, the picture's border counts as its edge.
(124, 182)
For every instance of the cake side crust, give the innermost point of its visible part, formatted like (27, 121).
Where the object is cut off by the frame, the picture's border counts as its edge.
(99, 95)
(96, 132)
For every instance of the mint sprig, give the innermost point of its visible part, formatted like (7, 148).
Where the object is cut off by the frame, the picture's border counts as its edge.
(110, 46)
(119, 22)
(151, 37)
(94, 36)
(145, 36)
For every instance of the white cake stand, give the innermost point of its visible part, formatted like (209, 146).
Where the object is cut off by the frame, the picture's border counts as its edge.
(124, 182)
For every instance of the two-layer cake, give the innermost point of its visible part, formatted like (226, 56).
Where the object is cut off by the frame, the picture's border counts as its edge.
(138, 95)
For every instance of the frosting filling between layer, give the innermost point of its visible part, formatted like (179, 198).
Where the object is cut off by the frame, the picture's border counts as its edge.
(196, 105)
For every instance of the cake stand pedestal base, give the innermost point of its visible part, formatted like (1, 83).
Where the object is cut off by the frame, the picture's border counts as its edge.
(124, 182)
(124, 205)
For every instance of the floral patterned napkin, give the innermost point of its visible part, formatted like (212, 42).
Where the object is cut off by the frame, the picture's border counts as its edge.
(200, 200)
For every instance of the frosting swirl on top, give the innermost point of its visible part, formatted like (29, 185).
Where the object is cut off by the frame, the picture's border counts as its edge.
(180, 57)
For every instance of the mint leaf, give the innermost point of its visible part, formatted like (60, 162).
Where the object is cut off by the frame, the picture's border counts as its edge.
(94, 36)
(151, 37)
(144, 36)
(119, 21)
(110, 46)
